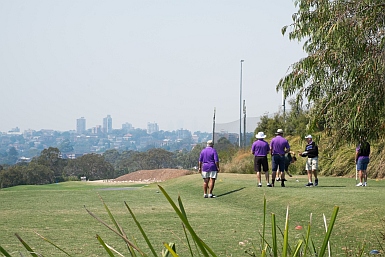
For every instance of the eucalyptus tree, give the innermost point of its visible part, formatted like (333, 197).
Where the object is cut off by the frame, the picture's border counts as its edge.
(51, 158)
(93, 166)
(342, 77)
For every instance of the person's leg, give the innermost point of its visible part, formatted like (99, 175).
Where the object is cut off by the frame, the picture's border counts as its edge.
(267, 177)
(273, 176)
(205, 185)
(361, 175)
(274, 168)
(281, 166)
(265, 168)
(315, 177)
(309, 170)
(315, 174)
(283, 179)
(212, 184)
(309, 173)
(360, 168)
(259, 178)
(309, 176)
(365, 177)
(257, 169)
(365, 174)
(314, 167)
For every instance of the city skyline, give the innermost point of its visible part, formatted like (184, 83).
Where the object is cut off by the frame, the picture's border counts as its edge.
(81, 126)
(139, 61)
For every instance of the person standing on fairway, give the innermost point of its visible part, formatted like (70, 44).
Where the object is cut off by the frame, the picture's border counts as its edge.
(311, 152)
(208, 166)
(260, 149)
(362, 160)
(278, 147)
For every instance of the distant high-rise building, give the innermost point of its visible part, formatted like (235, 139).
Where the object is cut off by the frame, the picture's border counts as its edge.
(127, 126)
(107, 124)
(81, 125)
(96, 130)
(152, 127)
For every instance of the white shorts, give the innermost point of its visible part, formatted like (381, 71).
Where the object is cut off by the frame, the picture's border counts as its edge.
(312, 163)
(209, 174)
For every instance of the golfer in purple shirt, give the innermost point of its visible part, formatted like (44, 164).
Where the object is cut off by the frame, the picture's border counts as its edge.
(260, 149)
(362, 161)
(208, 167)
(278, 147)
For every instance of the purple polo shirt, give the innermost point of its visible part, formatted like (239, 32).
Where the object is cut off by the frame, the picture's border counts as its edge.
(209, 157)
(361, 157)
(279, 144)
(260, 148)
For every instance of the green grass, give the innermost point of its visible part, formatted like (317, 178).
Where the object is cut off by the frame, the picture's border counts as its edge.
(229, 224)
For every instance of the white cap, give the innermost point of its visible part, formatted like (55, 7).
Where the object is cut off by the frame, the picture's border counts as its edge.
(279, 131)
(308, 136)
(210, 142)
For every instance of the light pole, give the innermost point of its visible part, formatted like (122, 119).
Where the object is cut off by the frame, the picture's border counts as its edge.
(240, 108)
(284, 109)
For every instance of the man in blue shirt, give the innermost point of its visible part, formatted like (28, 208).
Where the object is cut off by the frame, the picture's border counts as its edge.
(208, 166)
(311, 152)
(279, 146)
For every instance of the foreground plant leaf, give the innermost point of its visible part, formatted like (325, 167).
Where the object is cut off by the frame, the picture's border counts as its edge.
(4, 252)
(105, 246)
(117, 226)
(116, 232)
(328, 233)
(202, 246)
(57, 247)
(26, 246)
(141, 230)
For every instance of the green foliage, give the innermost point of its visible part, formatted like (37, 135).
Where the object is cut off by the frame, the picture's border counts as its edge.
(32, 174)
(189, 159)
(269, 125)
(296, 121)
(91, 166)
(242, 162)
(66, 146)
(12, 176)
(225, 149)
(10, 156)
(51, 158)
(342, 77)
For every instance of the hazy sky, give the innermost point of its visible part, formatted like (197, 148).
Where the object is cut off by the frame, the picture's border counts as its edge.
(169, 62)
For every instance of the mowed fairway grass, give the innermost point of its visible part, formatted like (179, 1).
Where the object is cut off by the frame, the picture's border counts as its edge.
(229, 224)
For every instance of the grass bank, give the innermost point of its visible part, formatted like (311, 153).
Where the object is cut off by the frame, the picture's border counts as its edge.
(229, 224)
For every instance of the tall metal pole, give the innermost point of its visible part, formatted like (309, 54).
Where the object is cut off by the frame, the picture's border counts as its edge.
(240, 108)
(244, 124)
(213, 126)
(284, 109)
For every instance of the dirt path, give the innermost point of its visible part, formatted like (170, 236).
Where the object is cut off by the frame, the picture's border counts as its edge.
(149, 176)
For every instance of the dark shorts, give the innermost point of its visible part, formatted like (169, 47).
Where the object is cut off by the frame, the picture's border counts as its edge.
(278, 162)
(362, 164)
(260, 161)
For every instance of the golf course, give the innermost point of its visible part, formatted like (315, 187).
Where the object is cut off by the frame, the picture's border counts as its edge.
(231, 224)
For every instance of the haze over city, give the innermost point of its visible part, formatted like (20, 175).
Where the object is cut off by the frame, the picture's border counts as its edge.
(167, 62)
